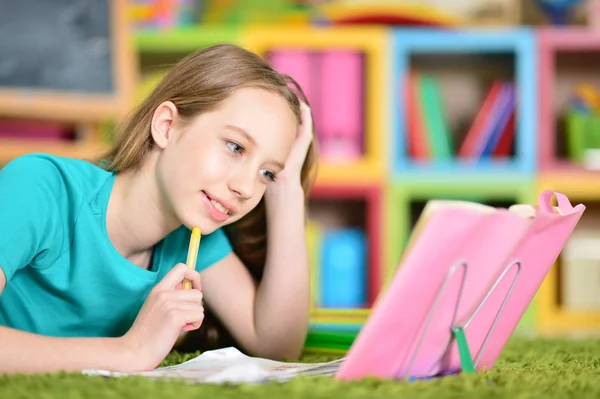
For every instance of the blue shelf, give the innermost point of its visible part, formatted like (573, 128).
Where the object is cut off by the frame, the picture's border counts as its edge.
(520, 42)
(457, 169)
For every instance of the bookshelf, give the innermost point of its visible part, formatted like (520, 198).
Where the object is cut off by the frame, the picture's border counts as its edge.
(555, 314)
(183, 40)
(465, 63)
(339, 206)
(406, 201)
(371, 42)
(382, 190)
(67, 115)
(566, 59)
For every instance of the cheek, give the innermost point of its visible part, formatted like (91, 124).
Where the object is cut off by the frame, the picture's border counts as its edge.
(214, 166)
(251, 204)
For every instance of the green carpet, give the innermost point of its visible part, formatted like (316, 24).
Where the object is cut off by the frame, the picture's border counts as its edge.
(527, 369)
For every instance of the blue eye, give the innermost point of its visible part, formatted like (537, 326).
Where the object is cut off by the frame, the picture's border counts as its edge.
(236, 148)
(268, 175)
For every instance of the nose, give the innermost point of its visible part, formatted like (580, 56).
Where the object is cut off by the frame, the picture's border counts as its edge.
(241, 183)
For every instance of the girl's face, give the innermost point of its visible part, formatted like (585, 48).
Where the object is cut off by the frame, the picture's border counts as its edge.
(216, 169)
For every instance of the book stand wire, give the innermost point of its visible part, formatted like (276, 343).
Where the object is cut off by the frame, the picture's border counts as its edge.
(468, 364)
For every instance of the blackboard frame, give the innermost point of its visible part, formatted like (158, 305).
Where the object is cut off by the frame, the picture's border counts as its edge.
(71, 106)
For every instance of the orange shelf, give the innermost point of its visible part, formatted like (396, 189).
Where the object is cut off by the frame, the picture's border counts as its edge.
(13, 148)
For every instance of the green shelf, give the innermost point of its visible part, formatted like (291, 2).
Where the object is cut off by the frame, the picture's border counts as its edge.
(330, 340)
(484, 189)
(184, 40)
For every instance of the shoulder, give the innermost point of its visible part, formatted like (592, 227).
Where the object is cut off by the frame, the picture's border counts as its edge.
(213, 247)
(38, 167)
(47, 173)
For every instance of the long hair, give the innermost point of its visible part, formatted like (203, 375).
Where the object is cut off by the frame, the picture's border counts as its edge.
(196, 84)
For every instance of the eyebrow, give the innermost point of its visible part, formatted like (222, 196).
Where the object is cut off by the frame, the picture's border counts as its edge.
(242, 132)
(250, 139)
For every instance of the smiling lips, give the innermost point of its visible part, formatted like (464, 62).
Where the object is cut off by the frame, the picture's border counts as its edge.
(215, 208)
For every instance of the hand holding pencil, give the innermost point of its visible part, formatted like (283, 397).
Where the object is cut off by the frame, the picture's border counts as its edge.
(170, 308)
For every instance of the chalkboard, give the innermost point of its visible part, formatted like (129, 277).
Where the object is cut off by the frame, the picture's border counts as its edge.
(56, 45)
(73, 50)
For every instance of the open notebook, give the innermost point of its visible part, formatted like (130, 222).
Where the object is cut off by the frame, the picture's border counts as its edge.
(494, 260)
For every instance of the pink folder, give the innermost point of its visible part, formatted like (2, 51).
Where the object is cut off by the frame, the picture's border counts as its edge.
(301, 66)
(342, 98)
(460, 252)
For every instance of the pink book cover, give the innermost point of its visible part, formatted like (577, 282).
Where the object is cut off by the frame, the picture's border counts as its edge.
(537, 253)
(487, 240)
(32, 129)
(300, 65)
(342, 97)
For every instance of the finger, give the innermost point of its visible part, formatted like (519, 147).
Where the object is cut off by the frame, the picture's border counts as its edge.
(304, 137)
(305, 131)
(191, 327)
(194, 296)
(188, 314)
(307, 120)
(176, 275)
(194, 277)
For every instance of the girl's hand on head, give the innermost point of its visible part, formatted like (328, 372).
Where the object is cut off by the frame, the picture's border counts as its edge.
(295, 161)
(167, 311)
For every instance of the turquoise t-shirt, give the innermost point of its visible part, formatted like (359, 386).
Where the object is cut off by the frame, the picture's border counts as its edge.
(64, 277)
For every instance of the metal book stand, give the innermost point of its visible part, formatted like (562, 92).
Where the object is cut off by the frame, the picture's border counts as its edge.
(468, 364)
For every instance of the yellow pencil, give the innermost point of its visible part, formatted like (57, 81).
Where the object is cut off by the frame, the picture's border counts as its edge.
(192, 254)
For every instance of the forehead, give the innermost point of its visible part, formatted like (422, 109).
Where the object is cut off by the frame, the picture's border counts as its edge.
(263, 114)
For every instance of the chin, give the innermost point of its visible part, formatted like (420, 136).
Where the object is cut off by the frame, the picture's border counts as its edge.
(207, 224)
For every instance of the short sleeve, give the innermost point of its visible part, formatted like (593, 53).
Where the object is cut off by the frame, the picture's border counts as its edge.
(213, 247)
(30, 225)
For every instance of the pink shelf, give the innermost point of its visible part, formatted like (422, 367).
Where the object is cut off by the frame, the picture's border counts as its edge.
(372, 196)
(553, 41)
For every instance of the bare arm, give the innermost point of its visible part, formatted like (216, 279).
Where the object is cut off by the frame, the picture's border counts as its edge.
(282, 303)
(23, 352)
(270, 320)
(166, 312)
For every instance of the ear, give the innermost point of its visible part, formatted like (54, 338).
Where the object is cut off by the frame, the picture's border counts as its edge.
(163, 122)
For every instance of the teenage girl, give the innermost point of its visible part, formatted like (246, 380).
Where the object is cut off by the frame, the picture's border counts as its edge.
(92, 254)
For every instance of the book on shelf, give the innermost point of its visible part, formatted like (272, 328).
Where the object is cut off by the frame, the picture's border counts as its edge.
(429, 135)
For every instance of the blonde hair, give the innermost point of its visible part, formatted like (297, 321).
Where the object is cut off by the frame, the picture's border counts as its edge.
(196, 84)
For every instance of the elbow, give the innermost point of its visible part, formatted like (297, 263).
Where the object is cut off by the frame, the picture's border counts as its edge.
(291, 353)
(286, 350)
(283, 354)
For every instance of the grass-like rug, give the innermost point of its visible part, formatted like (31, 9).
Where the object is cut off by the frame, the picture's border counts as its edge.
(528, 368)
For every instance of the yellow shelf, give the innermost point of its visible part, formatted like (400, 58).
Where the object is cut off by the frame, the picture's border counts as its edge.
(346, 316)
(365, 171)
(577, 186)
(551, 317)
(373, 41)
